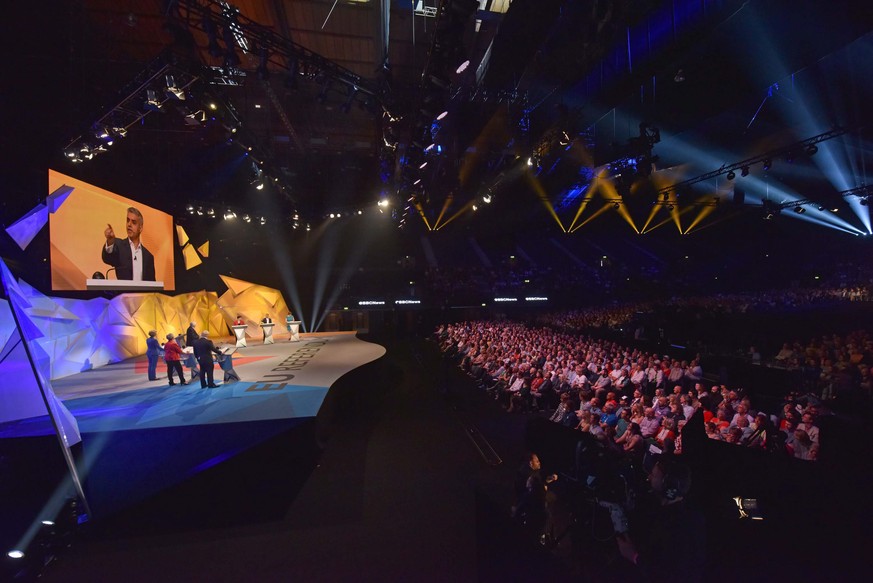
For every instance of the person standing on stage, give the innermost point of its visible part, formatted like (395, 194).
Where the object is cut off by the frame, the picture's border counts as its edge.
(128, 256)
(153, 351)
(191, 335)
(266, 320)
(173, 356)
(203, 349)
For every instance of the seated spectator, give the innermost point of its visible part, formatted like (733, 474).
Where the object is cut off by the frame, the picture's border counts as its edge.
(650, 424)
(712, 431)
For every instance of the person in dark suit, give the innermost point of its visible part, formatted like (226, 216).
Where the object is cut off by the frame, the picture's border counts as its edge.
(153, 352)
(191, 335)
(203, 349)
(128, 256)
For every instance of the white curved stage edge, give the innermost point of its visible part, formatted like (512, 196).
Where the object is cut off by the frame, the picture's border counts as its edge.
(288, 380)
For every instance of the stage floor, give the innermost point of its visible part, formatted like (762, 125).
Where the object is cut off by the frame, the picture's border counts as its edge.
(286, 380)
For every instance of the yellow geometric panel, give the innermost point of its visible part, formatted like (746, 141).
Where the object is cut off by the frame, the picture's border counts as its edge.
(204, 249)
(252, 302)
(192, 260)
(181, 235)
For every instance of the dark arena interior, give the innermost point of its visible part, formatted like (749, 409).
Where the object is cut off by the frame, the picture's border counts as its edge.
(563, 290)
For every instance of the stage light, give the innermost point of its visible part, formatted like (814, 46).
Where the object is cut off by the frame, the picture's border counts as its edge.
(486, 199)
(767, 164)
(731, 175)
(247, 218)
(48, 522)
(442, 115)
(229, 214)
(259, 185)
(669, 207)
(200, 211)
(213, 106)
(152, 103)
(744, 171)
(462, 67)
(429, 148)
(863, 202)
(418, 180)
(422, 165)
(308, 227)
(475, 208)
(383, 202)
(835, 210)
(190, 209)
(211, 212)
(331, 215)
(173, 90)
(339, 215)
(530, 161)
(263, 220)
(799, 210)
(811, 150)
(360, 212)
(15, 554)
(616, 205)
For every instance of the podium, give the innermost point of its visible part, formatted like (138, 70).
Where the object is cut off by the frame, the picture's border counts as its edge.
(294, 330)
(189, 360)
(225, 362)
(126, 285)
(268, 332)
(240, 333)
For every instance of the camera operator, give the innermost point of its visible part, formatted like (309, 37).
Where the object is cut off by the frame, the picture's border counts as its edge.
(667, 545)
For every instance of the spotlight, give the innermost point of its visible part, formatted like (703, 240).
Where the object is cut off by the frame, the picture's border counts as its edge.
(487, 199)
(616, 205)
(768, 163)
(247, 218)
(530, 161)
(383, 202)
(190, 209)
(15, 554)
(462, 67)
(731, 175)
(442, 115)
(263, 220)
(331, 215)
(835, 210)
(360, 212)
(229, 214)
(799, 210)
(429, 148)
(811, 150)
(173, 90)
(744, 171)
(213, 106)
(152, 102)
(418, 180)
(422, 165)
(475, 208)
(211, 212)
(864, 202)
(669, 207)
(259, 185)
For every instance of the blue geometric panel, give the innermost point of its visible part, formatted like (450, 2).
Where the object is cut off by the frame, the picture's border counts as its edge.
(26, 228)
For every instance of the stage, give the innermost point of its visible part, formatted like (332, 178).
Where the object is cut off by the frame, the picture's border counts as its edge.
(285, 380)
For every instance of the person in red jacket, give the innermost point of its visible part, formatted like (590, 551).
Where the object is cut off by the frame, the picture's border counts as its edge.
(173, 356)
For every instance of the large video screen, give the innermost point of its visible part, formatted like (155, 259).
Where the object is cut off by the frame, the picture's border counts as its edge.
(102, 240)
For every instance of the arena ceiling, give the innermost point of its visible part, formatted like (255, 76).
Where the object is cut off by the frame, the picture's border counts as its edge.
(336, 99)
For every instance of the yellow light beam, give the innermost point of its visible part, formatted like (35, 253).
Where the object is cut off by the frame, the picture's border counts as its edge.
(668, 219)
(446, 205)
(596, 214)
(652, 214)
(541, 194)
(704, 212)
(460, 211)
(420, 210)
(585, 200)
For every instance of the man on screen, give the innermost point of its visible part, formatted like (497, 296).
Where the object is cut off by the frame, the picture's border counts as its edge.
(128, 256)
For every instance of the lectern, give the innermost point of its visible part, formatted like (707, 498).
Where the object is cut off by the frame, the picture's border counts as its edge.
(268, 332)
(294, 330)
(240, 333)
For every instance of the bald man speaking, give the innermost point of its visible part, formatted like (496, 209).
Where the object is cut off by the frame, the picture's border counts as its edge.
(128, 256)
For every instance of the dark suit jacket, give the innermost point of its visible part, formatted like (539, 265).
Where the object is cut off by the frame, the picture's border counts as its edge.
(191, 336)
(203, 349)
(122, 260)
